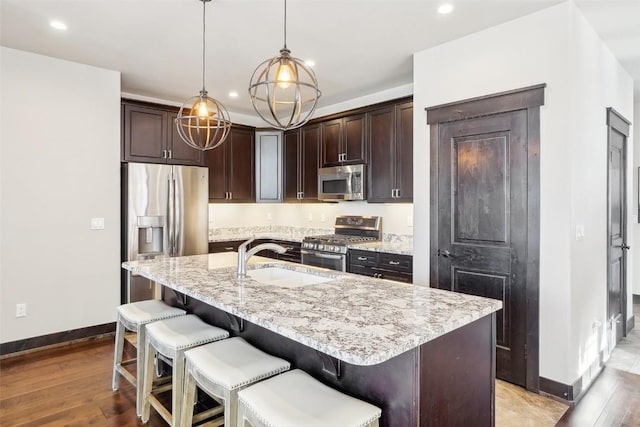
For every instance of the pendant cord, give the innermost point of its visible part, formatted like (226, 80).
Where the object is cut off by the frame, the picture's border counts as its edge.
(285, 24)
(204, 4)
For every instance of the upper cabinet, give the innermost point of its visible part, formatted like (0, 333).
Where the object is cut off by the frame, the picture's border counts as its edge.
(301, 148)
(343, 141)
(390, 163)
(269, 166)
(232, 167)
(149, 135)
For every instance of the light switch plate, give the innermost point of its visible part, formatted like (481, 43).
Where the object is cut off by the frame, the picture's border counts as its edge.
(97, 223)
(579, 232)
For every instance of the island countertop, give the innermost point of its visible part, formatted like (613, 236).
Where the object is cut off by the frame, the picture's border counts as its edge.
(357, 319)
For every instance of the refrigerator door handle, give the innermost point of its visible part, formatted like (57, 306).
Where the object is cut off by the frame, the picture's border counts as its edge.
(177, 216)
(170, 213)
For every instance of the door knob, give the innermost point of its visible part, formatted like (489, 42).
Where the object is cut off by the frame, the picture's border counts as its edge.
(623, 246)
(444, 253)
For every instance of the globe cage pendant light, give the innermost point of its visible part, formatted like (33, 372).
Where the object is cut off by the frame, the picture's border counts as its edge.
(284, 90)
(203, 122)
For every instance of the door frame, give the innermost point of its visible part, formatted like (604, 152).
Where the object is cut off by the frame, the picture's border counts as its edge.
(530, 99)
(616, 122)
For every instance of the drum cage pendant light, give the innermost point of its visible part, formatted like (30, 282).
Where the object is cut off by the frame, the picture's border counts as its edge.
(203, 122)
(284, 90)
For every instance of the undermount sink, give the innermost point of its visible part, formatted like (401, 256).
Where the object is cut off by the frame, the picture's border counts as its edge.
(285, 277)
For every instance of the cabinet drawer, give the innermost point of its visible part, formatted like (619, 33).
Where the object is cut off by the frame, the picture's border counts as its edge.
(363, 258)
(395, 262)
(363, 270)
(225, 246)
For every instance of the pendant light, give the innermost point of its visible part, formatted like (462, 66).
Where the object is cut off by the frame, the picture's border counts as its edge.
(203, 122)
(284, 90)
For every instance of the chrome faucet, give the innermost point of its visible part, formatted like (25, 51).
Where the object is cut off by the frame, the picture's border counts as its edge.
(244, 254)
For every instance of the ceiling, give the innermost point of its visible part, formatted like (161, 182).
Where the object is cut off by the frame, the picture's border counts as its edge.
(359, 47)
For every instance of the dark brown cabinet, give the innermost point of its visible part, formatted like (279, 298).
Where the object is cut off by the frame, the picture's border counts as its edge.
(381, 265)
(224, 246)
(390, 162)
(343, 141)
(149, 135)
(232, 167)
(300, 169)
(292, 254)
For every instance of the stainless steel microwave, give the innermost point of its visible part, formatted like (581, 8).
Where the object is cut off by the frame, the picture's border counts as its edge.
(342, 183)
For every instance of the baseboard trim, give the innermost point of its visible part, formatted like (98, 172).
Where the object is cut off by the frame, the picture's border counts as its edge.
(631, 323)
(572, 394)
(58, 338)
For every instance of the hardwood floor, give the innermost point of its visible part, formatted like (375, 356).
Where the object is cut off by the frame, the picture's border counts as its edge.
(71, 386)
(68, 386)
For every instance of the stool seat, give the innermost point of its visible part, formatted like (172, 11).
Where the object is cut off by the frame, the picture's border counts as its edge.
(294, 399)
(134, 317)
(171, 338)
(223, 368)
(142, 312)
(179, 333)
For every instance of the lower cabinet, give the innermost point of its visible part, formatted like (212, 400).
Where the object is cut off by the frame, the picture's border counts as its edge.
(382, 265)
(224, 246)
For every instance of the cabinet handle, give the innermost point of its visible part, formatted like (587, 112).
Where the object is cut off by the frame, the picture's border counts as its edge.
(228, 248)
(164, 154)
(170, 154)
(394, 262)
(393, 193)
(230, 195)
(362, 258)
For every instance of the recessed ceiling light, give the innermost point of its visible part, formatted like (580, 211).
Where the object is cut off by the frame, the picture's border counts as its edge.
(310, 63)
(445, 8)
(233, 94)
(58, 25)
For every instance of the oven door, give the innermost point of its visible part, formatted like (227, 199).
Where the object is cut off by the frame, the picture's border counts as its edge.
(336, 262)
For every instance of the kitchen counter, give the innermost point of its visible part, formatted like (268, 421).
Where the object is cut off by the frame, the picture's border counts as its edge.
(357, 319)
(395, 244)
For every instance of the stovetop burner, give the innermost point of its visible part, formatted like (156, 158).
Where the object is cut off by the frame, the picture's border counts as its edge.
(349, 230)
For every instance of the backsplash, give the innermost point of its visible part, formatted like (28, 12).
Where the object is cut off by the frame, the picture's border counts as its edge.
(397, 219)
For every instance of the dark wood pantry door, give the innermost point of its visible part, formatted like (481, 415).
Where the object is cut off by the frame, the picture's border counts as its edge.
(618, 129)
(485, 232)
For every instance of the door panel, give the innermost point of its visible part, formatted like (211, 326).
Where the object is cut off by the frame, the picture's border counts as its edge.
(331, 142)
(291, 169)
(482, 199)
(617, 235)
(242, 176)
(181, 153)
(309, 149)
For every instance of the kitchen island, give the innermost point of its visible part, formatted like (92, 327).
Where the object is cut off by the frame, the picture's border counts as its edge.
(425, 356)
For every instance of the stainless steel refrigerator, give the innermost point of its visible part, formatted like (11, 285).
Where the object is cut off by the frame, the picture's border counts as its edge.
(164, 214)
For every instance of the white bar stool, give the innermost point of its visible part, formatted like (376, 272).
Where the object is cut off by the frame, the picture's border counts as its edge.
(295, 399)
(171, 338)
(134, 317)
(221, 369)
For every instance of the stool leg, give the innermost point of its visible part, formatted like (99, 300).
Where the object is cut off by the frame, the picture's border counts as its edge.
(178, 387)
(231, 408)
(117, 354)
(189, 399)
(148, 378)
(140, 361)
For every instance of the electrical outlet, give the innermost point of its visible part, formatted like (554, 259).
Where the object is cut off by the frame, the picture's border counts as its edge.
(322, 219)
(579, 232)
(310, 217)
(409, 220)
(269, 217)
(97, 223)
(21, 310)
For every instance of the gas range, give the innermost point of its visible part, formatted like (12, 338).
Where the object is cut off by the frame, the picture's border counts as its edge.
(334, 242)
(330, 250)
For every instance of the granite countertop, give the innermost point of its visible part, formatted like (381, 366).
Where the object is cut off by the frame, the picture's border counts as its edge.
(357, 319)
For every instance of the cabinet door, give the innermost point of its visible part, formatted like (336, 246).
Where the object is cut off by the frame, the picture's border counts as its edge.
(404, 152)
(144, 138)
(291, 167)
(381, 170)
(331, 142)
(216, 161)
(353, 141)
(179, 152)
(309, 153)
(241, 166)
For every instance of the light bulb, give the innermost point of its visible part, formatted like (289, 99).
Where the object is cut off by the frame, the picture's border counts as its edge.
(285, 74)
(203, 111)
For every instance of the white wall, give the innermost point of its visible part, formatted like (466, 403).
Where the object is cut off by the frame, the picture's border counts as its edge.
(396, 218)
(60, 151)
(531, 50)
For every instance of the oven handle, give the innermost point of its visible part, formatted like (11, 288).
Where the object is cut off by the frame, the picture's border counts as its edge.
(319, 255)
